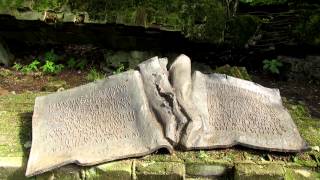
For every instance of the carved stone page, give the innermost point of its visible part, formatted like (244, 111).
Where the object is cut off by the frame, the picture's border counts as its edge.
(193, 133)
(236, 111)
(102, 121)
(161, 97)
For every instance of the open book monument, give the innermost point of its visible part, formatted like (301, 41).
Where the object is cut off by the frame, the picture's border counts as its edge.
(137, 112)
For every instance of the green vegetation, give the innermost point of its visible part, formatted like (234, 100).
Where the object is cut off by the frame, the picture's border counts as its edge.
(272, 66)
(51, 56)
(51, 68)
(82, 64)
(307, 30)
(71, 63)
(94, 75)
(17, 66)
(203, 155)
(50, 64)
(32, 67)
(241, 28)
(26, 69)
(119, 69)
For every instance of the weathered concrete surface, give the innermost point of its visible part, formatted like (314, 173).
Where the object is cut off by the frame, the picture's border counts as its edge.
(110, 116)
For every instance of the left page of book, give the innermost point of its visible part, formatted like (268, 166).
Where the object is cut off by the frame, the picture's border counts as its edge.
(102, 121)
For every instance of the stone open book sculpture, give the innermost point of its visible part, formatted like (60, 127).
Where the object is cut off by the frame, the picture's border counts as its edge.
(137, 112)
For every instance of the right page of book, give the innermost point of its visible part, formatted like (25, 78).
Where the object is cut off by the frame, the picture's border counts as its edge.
(235, 111)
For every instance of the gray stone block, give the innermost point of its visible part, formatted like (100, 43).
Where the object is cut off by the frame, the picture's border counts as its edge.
(259, 172)
(208, 170)
(160, 170)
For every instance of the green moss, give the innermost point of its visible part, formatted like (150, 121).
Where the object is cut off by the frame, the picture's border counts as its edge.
(301, 174)
(238, 72)
(308, 127)
(15, 123)
(253, 171)
(160, 170)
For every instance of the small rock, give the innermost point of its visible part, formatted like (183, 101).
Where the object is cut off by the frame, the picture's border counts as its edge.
(13, 92)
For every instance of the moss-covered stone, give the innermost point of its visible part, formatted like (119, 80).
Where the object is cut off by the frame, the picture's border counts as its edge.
(238, 72)
(69, 172)
(308, 127)
(301, 174)
(121, 170)
(160, 170)
(208, 170)
(262, 172)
